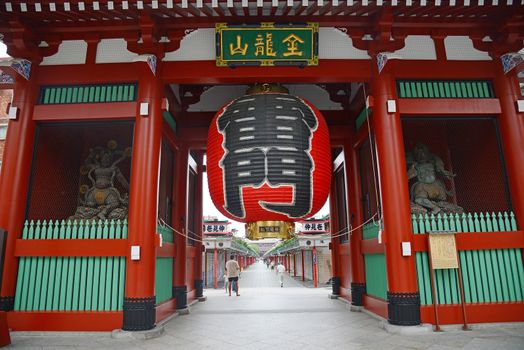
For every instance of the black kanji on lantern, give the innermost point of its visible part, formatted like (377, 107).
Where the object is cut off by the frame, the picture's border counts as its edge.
(267, 140)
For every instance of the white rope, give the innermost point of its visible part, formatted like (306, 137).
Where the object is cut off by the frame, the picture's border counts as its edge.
(164, 224)
(371, 143)
(355, 228)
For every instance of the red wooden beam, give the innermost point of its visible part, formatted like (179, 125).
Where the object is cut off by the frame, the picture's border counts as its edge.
(408, 69)
(371, 246)
(477, 240)
(85, 111)
(190, 252)
(165, 309)
(71, 247)
(7, 86)
(206, 72)
(448, 106)
(344, 249)
(168, 250)
(88, 73)
(363, 133)
(85, 321)
(377, 306)
(339, 134)
(476, 313)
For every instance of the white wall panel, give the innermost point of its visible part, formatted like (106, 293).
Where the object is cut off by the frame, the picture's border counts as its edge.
(460, 48)
(69, 52)
(113, 51)
(418, 47)
(334, 44)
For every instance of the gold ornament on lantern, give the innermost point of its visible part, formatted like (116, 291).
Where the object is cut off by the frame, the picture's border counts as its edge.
(269, 229)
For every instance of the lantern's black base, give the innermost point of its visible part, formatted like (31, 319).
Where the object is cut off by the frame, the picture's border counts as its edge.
(404, 309)
(357, 294)
(180, 293)
(139, 314)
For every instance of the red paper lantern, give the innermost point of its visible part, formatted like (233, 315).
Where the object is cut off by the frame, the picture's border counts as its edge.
(268, 158)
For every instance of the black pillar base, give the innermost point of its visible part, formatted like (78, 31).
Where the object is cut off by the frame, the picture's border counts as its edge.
(180, 293)
(335, 285)
(139, 314)
(404, 309)
(357, 293)
(7, 303)
(199, 286)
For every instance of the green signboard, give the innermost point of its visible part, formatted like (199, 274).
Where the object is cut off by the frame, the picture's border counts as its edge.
(267, 44)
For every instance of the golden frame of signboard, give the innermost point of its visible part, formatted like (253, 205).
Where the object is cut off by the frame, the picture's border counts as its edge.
(443, 254)
(266, 44)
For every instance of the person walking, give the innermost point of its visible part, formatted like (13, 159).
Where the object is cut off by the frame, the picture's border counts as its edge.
(233, 271)
(226, 281)
(280, 271)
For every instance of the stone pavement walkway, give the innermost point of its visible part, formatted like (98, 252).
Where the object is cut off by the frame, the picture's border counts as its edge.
(266, 316)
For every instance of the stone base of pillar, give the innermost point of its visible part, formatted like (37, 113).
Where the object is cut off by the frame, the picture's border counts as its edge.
(404, 309)
(7, 303)
(139, 314)
(335, 285)
(357, 294)
(180, 293)
(199, 286)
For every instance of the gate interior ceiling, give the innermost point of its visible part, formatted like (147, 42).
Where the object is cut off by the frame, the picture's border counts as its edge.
(199, 103)
(71, 20)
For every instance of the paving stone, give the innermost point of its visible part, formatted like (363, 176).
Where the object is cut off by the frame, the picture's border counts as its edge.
(266, 316)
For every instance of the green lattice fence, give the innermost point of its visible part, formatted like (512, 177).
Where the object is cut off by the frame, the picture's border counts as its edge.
(98, 93)
(494, 275)
(444, 89)
(375, 266)
(71, 283)
(164, 270)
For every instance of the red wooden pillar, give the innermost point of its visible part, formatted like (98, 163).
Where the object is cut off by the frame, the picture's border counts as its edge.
(314, 265)
(403, 296)
(205, 268)
(215, 269)
(335, 242)
(294, 264)
(139, 298)
(180, 221)
(289, 263)
(512, 131)
(198, 281)
(303, 270)
(354, 195)
(15, 176)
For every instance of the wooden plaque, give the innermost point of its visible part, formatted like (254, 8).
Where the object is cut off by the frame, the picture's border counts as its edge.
(443, 251)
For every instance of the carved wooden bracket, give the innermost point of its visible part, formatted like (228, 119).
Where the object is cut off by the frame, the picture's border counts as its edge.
(152, 39)
(380, 38)
(23, 42)
(503, 38)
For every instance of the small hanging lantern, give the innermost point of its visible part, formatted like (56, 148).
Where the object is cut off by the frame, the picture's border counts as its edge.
(268, 157)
